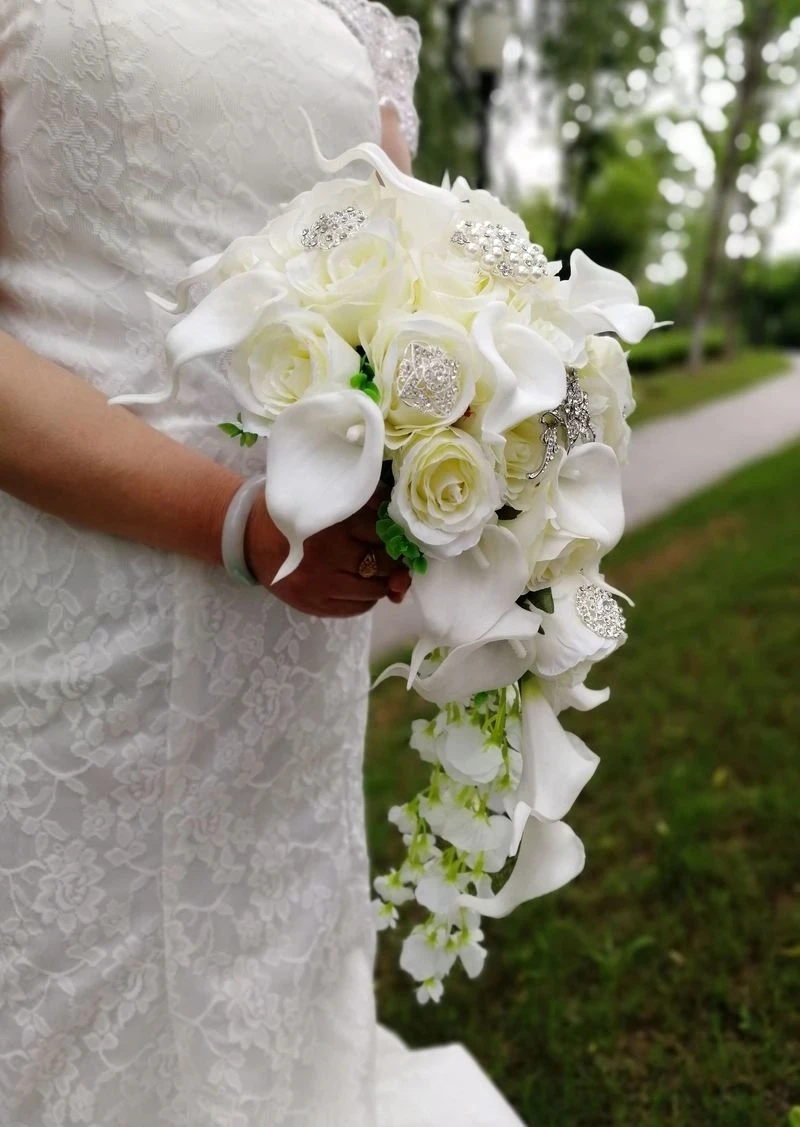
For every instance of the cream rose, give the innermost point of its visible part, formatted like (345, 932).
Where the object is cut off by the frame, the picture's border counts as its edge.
(352, 283)
(445, 492)
(523, 453)
(389, 347)
(295, 354)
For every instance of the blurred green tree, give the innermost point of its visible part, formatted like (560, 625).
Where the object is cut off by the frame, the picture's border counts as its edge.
(736, 146)
(587, 53)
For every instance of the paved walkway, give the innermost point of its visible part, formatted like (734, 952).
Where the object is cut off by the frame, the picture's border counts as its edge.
(672, 458)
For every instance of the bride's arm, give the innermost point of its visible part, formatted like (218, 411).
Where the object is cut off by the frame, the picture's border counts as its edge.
(392, 141)
(64, 450)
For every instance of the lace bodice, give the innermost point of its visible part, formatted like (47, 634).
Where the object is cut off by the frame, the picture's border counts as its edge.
(393, 45)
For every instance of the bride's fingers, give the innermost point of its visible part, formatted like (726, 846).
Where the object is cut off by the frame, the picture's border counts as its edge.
(358, 552)
(352, 588)
(361, 527)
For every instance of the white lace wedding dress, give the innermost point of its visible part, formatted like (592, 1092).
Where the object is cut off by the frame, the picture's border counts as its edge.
(185, 931)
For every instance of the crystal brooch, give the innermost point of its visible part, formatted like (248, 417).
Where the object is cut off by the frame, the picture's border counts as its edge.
(571, 419)
(500, 251)
(599, 611)
(428, 379)
(332, 228)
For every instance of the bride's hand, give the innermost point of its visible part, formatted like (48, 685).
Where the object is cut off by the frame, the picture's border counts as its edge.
(327, 583)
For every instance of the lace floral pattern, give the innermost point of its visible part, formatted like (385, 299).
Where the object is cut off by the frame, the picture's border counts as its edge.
(393, 46)
(185, 932)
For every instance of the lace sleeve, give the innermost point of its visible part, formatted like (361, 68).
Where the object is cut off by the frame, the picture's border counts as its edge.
(393, 44)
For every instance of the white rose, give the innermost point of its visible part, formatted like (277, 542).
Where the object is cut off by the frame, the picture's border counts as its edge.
(282, 238)
(607, 381)
(451, 284)
(294, 354)
(386, 351)
(523, 454)
(445, 492)
(352, 283)
(483, 207)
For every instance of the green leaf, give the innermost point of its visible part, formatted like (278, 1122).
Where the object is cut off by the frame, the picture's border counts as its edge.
(396, 547)
(230, 428)
(249, 438)
(542, 600)
(413, 551)
(386, 528)
(357, 381)
(419, 565)
(371, 390)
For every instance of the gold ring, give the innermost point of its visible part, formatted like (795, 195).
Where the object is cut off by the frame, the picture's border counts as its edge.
(368, 568)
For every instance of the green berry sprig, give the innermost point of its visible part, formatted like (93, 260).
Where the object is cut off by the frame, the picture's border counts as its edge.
(364, 380)
(398, 546)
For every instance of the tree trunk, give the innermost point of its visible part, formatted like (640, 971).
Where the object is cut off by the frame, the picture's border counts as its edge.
(746, 98)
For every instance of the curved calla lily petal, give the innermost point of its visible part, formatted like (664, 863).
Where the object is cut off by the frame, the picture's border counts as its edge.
(556, 765)
(223, 319)
(587, 502)
(605, 300)
(461, 598)
(497, 659)
(528, 372)
(580, 697)
(567, 641)
(550, 856)
(373, 155)
(324, 461)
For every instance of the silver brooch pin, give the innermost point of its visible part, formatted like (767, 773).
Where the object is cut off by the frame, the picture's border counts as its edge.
(332, 228)
(428, 379)
(599, 611)
(500, 251)
(571, 419)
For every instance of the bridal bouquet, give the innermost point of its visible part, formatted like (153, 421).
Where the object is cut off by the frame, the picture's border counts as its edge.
(389, 330)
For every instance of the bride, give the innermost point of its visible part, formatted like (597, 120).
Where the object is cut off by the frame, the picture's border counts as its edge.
(185, 926)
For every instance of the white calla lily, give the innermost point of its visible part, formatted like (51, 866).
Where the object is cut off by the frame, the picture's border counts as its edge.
(562, 694)
(529, 376)
(460, 599)
(587, 498)
(496, 659)
(604, 300)
(323, 464)
(222, 320)
(550, 856)
(567, 641)
(556, 765)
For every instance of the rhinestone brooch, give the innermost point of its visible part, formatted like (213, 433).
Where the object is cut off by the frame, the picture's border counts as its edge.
(332, 228)
(500, 251)
(600, 612)
(571, 418)
(428, 379)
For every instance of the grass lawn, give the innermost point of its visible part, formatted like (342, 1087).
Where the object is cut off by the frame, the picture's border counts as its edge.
(677, 389)
(662, 988)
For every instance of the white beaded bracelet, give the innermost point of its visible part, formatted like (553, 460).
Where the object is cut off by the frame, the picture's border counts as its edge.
(233, 530)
